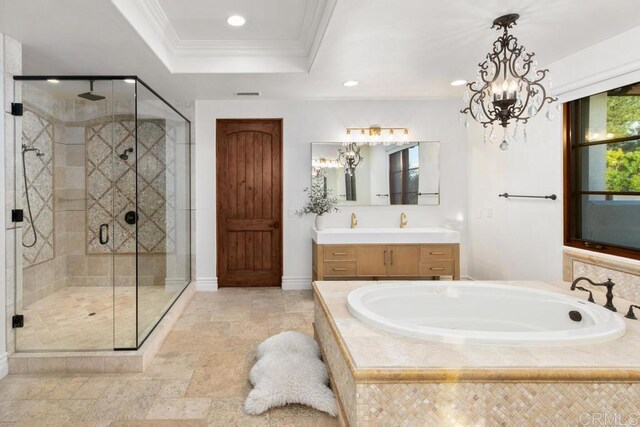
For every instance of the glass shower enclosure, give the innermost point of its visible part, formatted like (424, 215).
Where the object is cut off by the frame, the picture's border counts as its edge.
(102, 211)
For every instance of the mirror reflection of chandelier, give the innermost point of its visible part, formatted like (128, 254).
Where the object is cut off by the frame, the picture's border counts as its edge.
(375, 135)
(349, 157)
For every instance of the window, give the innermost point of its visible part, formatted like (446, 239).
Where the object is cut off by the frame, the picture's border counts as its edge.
(602, 172)
(404, 170)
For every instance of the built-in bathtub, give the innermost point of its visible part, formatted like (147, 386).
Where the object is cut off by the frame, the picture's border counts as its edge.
(484, 313)
(384, 378)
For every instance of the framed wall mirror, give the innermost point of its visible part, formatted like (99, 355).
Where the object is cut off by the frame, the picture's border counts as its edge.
(369, 175)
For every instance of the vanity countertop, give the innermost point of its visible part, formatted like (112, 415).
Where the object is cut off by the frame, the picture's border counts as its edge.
(409, 235)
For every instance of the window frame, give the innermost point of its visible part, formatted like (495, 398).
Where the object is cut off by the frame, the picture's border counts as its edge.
(571, 145)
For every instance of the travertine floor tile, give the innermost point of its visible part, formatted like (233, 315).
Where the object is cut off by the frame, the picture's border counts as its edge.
(179, 408)
(199, 377)
(56, 412)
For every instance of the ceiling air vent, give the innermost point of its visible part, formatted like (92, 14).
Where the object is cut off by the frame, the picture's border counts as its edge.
(254, 93)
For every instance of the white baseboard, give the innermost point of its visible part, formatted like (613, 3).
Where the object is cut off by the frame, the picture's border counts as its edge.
(4, 364)
(207, 284)
(295, 283)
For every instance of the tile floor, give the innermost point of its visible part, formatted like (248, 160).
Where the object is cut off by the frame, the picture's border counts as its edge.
(62, 321)
(199, 376)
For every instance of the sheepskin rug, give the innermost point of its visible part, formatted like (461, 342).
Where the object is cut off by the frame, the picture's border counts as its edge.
(289, 370)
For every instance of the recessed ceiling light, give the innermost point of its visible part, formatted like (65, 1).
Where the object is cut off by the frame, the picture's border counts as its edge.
(130, 81)
(236, 21)
(350, 83)
(458, 82)
(54, 81)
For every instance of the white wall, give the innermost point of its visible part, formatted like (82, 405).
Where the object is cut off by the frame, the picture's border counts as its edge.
(523, 239)
(323, 121)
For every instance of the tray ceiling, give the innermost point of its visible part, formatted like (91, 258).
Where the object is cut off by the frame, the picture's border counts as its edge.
(280, 36)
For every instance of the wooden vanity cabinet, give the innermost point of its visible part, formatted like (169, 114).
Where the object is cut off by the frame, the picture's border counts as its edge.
(385, 261)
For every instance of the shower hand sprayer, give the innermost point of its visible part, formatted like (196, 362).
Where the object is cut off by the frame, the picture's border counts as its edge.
(39, 153)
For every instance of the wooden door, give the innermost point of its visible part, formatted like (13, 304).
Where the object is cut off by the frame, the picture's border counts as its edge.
(404, 260)
(249, 202)
(372, 260)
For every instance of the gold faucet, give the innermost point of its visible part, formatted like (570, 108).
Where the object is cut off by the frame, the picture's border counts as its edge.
(354, 220)
(403, 220)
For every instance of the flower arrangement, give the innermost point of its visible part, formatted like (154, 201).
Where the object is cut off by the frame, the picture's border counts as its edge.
(319, 201)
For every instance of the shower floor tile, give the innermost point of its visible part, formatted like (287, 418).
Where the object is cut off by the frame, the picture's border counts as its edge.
(82, 318)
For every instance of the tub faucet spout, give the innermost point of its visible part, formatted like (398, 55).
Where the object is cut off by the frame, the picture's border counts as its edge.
(608, 284)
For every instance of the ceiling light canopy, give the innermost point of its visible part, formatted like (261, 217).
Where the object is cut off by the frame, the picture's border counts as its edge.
(458, 82)
(350, 83)
(509, 88)
(236, 20)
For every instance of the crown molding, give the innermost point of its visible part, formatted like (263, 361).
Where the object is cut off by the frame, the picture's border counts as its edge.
(228, 56)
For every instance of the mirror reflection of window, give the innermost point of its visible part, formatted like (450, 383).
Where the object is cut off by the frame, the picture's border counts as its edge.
(350, 186)
(404, 176)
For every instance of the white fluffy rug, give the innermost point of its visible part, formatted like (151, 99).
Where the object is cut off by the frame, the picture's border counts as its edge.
(289, 370)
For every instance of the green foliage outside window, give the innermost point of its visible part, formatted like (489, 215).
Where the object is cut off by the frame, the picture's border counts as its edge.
(623, 160)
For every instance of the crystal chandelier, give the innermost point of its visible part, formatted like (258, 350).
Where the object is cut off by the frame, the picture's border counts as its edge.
(509, 87)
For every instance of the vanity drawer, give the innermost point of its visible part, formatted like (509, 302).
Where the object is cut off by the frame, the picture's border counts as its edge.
(429, 252)
(445, 267)
(339, 253)
(337, 268)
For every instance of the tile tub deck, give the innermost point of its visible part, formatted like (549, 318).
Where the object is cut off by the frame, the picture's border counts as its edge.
(383, 378)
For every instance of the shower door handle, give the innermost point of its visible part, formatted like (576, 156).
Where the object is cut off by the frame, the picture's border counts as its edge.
(103, 235)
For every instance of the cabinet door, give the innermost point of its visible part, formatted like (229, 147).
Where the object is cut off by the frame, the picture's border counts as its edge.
(404, 260)
(372, 260)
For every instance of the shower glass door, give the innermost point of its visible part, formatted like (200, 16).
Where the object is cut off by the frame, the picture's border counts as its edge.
(75, 269)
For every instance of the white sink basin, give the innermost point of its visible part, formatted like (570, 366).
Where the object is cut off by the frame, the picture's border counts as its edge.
(331, 236)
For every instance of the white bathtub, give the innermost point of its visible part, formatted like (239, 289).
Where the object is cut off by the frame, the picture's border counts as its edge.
(483, 313)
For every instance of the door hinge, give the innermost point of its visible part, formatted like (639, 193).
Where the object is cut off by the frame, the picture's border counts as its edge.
(17, 215)
(16, 109)
(17, 321)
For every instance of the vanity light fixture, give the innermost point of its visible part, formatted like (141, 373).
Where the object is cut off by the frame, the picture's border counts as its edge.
(236, 20)
(509, 88)
(375, 135)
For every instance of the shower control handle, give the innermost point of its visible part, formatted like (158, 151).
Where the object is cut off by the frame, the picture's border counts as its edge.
(104, 231)
(131, 217)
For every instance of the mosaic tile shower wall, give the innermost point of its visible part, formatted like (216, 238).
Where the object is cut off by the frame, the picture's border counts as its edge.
(111, 186)
(37, 132)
